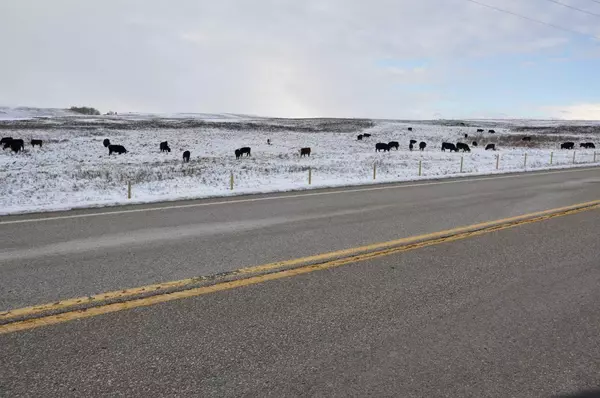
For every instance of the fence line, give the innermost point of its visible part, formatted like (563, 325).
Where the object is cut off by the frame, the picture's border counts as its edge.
(421, 168)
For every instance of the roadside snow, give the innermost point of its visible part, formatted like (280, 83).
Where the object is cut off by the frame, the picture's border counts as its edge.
(73, 168)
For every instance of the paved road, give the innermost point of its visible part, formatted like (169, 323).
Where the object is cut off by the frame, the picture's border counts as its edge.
(45, 261)
(510, 313)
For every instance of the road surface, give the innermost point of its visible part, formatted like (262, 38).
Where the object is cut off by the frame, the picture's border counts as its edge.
(508, 313)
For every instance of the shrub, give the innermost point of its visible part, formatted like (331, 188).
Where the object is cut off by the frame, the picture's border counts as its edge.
(84, 110)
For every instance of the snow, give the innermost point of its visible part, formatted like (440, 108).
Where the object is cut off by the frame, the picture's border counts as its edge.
(73, 168)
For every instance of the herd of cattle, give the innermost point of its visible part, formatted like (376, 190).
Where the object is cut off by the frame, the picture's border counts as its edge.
(17, 145)
(460, 146)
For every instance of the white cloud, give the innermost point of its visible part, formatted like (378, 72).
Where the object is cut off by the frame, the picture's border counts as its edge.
(271, 57)
(574, 112)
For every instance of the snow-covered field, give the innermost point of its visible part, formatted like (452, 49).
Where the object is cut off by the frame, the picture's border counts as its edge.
(73, 168)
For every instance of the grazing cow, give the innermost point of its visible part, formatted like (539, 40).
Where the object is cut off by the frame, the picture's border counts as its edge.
(492, 131)
(466, 135)
(567, 145)
(588, 145)
(413, 141)
(410, 147)
(474, 143)
(366, 135)
(410, 129)
(394, 144)
(464, 147)
(268, 141)
(422, 145)
(15, 143)
(245, 150)
(186, 156)
(4, 140)
(16, 146)
(120, 149)
(106, 142)
(382, 147)
(164, 147)
(305, 152)
(449, 146)
(237, 154)
(480, 130)
(359, 137)
(36, 142)
(490, 147)
(526, 139)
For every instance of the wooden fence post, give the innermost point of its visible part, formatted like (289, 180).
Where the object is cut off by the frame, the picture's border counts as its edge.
(462, 159)
(420, 168)
(309, 176)
(497, 161)
(231, 182)
(128, 189)
(374, 170)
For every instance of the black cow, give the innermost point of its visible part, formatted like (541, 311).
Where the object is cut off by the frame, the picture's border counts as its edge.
(492, 131)
(106, 142)
(359, 137)
(268, 141)
(164, 147)
(366, 135)
(466, 135)
(4, 140)
(464, 147)
(245, 150)
(474, 143)
(422, 145)
(36, 142)
(480, 130)
(15, 144)
(305, 152)
(394, 144)
(410, 129)
(186, 156)
(526, 139)
(588, 145)
(381, 146)
(120, 149)
(237, 154)
(449, 146)
(411, 146)
(567, 145)
(490, 147)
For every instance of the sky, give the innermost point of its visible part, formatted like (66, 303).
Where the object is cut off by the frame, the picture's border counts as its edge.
(397, 59)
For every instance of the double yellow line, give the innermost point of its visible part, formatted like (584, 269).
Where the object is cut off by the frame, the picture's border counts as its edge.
(85, 307)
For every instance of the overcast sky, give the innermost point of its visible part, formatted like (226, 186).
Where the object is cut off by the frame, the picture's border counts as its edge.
(303, 58)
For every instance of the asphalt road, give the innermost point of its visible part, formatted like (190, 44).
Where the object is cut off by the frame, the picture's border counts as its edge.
(48, 260)
(509, 313)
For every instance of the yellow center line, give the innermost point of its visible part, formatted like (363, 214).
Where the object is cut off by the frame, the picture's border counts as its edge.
(164, 286)
(324, 261)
